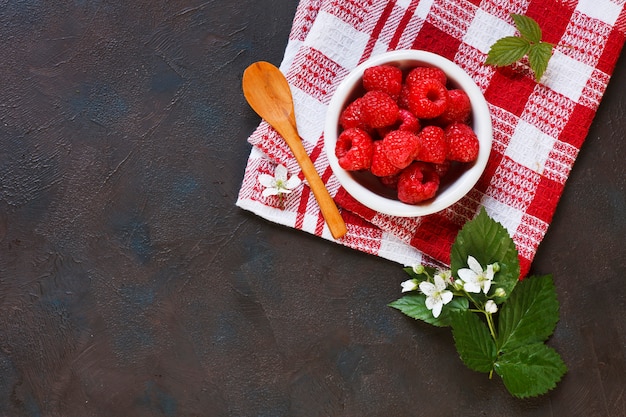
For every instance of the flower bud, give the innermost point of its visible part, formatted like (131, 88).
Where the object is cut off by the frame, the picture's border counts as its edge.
(495, 266)
(409, 285)
(500, 292)
(446, 275)
(418, 269)
(491, 307)
(457, 285)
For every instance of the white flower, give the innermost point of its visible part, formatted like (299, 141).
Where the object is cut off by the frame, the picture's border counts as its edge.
(491, 307)
(409, 285)
(446, 275)
(436, 294)
(278, 184)
(475, 278)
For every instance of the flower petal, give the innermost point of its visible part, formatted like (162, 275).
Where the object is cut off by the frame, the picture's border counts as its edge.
(471, 287)
(281, 172)
(427, 288)
(267, 180)
(440, 284)
(446, 296)
(293, 182)
(431, 302)
(270, 191)
(467, 275)
(474, 264)
(486, 286)
(437, 309)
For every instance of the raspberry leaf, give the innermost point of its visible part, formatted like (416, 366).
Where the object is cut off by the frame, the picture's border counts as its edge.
(538, 57)
(414, 306)
(527, 27)
(529, 315)
(530, 370)
(473, 341)
(507, 50)
(487, 241)
(510, 49)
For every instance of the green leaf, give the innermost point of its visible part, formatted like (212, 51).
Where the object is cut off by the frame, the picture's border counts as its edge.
(473, 341)
(487, 241)
(530, 370)
(527, 27)
(530, 314)
(507, 50)
(414, 305)
(538, 58)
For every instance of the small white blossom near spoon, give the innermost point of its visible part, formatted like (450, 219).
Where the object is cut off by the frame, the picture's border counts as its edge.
(280, 183)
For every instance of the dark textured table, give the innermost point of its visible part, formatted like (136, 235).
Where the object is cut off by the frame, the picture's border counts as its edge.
(131, 284)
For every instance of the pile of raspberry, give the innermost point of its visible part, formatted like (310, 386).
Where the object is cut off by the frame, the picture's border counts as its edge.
(407, 128)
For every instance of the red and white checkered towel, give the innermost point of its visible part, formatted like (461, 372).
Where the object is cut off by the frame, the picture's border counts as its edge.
(538, 127)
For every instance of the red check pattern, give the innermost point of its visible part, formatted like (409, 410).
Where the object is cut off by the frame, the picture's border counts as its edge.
(539, 127)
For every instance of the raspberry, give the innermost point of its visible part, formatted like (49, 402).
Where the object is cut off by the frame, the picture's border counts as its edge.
(462, 143)
(433, 146)
(458, 110)
(381, 166)
(425, 73)
(354, 150)
(385, 78)
(401, 147)
(418, 182)
(427, 98)
(406, 121)
(403, 99)
(379, 109)
(442, 169)
(352, 116)
(391, 181)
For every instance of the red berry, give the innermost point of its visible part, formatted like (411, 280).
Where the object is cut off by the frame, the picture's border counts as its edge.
(391, 181)
(352, 116)
(417, 183)
(401, 147)
(427, 98)
(458, 110)
(381, 166)
(385, 78)
(425, 73)
(462, 143)
(403, 99)
(354, 150)
(433, 146)
(408, 121)
(379, 109)
(442, 169)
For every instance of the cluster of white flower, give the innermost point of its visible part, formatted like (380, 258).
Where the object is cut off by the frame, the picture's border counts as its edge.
(473, 279)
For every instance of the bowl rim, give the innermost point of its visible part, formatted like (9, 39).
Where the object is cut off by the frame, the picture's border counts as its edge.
(481, 123)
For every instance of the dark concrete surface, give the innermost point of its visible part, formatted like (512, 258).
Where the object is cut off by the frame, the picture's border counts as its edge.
(131, 285)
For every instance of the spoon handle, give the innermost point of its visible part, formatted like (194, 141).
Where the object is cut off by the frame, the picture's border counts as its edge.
(327, 205)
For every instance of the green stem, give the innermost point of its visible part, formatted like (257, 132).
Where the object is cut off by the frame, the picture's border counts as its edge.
(492, 330)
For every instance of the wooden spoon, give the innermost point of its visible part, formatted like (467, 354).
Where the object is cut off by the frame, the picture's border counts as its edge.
(267, 91)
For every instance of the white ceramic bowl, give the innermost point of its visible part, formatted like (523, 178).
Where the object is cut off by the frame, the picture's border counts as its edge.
(365, 188)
